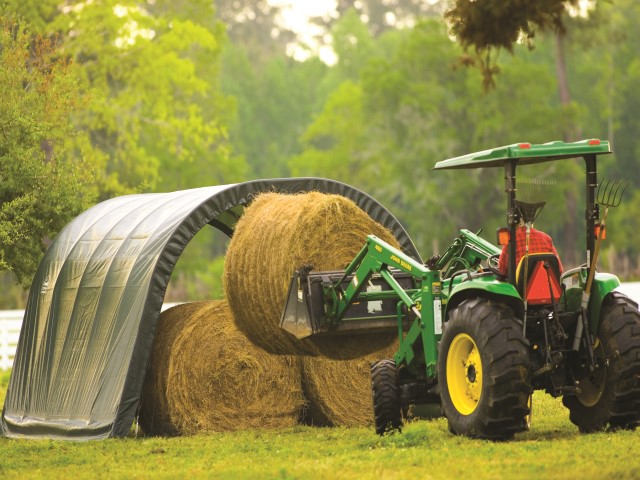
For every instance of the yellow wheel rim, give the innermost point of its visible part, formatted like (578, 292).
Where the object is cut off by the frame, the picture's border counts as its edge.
(591, 388)
(464, 374)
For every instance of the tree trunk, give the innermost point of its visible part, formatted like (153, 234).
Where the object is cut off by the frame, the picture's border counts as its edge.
(561, 72)
(569, 134)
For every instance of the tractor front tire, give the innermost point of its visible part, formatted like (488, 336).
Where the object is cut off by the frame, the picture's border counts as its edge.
(483, 371)
(611, 396)
(385, 390)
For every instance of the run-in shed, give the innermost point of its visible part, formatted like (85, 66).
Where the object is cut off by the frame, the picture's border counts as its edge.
(96, 298)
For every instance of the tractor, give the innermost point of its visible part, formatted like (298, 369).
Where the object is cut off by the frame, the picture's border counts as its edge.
(477, 340)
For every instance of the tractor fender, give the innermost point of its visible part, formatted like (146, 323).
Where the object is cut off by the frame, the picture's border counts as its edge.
(575, 283)
(489, 288)
(603, 285)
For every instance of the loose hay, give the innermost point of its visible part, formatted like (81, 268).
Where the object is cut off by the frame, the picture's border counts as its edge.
(215, 379)
(278, 234)
(338, 392)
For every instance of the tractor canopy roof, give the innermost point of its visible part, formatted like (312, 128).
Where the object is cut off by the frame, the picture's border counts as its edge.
(526, 154)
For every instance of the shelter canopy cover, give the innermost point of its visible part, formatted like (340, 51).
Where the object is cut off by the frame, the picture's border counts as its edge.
(96, 298)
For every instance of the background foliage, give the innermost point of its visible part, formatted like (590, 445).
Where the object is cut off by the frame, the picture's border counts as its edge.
(47, 167)
(109, 97)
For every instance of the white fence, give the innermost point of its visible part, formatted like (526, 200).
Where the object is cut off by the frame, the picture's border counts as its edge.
(10, 324)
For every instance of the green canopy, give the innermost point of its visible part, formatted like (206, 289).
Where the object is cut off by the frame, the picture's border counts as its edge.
(526, 154)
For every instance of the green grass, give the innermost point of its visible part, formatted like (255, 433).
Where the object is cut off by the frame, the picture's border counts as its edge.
(552, 449)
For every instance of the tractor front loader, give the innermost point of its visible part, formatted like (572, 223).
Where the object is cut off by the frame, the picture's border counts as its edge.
(477, 340)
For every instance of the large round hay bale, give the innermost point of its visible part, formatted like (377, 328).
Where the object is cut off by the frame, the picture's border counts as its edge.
(278, 234)
(338, 392)
(154, 410)
(216, 380)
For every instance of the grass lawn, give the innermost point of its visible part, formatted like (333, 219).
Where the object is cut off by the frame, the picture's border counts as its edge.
(552, 449)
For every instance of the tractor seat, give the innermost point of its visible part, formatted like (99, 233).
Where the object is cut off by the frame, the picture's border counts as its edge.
(543, 279)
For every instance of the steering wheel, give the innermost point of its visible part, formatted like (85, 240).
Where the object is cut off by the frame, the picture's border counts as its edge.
(492, 263)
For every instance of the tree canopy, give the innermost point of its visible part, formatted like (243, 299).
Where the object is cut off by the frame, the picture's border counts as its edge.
(47, 167)
(108, 97)
(105, 98)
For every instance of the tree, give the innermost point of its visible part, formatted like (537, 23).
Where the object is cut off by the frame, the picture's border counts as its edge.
(148, 99)
(151, 69)
(37, 13)
(381, 16)
(156, 107)
(335, 141)
(275, 100)
(47, 167)
(606, 72)
(490, 26)
(254, 26)
(411, 108)
(353, 44)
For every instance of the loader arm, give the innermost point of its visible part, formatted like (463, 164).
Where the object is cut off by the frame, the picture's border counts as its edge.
(466, 252)
(321, 303)
(376, 256)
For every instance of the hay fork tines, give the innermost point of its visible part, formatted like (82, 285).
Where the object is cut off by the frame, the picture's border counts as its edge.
(610, 192)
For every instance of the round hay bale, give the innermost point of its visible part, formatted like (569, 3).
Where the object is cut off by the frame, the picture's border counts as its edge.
(278, 234)
(154, 410)
(338, 392)
(216, 380)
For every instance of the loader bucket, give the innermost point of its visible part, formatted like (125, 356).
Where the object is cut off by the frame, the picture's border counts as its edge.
(306, 311)
(295, 317)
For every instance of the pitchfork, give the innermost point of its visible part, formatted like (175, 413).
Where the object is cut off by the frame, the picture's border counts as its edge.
(609, 195)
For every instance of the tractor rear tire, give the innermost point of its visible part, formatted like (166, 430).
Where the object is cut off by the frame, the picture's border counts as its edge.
(611, 397)
(385, 390)
(483, 371)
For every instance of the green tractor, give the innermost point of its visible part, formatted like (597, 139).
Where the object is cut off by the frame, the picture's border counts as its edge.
(478, 340)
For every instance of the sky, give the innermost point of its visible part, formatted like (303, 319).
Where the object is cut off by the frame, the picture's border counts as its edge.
(295, 16)
(298, 11)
